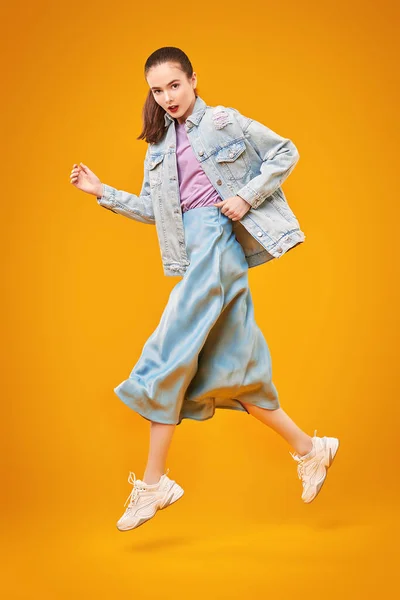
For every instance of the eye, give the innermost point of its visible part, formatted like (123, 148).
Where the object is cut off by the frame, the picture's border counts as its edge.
(177, 84)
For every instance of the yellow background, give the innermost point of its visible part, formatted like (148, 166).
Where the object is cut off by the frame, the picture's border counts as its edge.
(83, 288)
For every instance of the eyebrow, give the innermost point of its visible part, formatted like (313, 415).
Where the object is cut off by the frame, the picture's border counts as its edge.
(157, 88)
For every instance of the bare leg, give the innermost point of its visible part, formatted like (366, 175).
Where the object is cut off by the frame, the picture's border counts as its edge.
(280, 422)
(160, 441)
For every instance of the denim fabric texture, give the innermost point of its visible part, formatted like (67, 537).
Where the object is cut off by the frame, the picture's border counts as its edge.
(241, 157)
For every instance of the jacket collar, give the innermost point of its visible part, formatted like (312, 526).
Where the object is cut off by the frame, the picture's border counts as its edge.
(199, 109)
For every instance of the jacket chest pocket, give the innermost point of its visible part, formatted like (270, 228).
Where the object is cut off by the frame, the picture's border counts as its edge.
(233, 160)
(155, 169)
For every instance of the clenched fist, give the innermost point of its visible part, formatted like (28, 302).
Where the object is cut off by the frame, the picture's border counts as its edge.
(84, 179)
(234, 207)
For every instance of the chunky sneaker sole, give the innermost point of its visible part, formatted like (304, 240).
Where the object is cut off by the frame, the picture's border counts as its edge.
(313, 467)
(174, 495)
(145, 500)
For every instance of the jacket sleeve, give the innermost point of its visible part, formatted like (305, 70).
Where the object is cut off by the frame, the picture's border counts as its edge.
(278, 154)
(139, 208)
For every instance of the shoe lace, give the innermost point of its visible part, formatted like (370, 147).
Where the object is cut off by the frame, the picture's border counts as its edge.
(136, 490)
(300, 460)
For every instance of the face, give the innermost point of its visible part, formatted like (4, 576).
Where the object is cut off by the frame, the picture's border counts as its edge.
(171, 87)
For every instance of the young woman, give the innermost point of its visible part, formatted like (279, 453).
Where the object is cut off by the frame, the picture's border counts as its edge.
(211, 186)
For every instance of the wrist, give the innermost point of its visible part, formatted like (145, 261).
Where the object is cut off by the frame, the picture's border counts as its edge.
(241, 197)
(99, 191)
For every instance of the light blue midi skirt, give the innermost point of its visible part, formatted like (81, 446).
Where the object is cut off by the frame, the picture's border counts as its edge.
(207, 351)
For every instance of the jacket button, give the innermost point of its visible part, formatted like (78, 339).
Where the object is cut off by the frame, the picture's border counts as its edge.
(280, 250)
(230, 154)
(172, 145)
(259, 233)
(219, 182)
(201, 152)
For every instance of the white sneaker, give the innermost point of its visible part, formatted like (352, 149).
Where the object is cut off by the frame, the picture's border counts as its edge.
(146, 499)
(312, 467)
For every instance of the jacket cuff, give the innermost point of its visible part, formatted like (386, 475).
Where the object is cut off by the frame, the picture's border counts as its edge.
(251, 196)
(107, 200)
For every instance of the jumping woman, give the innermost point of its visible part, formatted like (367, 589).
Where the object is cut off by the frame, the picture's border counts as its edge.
(212, 187)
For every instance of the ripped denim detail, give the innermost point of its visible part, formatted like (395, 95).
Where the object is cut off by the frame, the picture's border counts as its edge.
(221, 118)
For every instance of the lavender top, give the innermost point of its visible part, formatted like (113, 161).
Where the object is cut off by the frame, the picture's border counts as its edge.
(194, 186)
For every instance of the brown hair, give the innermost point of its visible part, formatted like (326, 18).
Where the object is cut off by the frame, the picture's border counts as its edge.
(153, 114)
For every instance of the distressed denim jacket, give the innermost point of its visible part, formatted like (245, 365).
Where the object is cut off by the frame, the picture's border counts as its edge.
(241, 157)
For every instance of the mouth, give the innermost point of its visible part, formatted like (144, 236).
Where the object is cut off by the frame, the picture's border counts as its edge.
(173, 108)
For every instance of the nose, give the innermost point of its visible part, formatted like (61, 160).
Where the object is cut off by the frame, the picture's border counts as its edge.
(167, 98)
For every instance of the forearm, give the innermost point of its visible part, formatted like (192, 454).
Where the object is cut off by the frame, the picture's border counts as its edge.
(273, 172)
(129, 205)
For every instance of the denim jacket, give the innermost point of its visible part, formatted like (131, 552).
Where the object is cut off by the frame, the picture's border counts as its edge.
(241, 157)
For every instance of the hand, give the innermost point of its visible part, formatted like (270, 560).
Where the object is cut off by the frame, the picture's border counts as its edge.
(235, 207)
(84, 179)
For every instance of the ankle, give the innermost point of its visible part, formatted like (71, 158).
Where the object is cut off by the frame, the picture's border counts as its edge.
(151, 478)
(305, 448)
